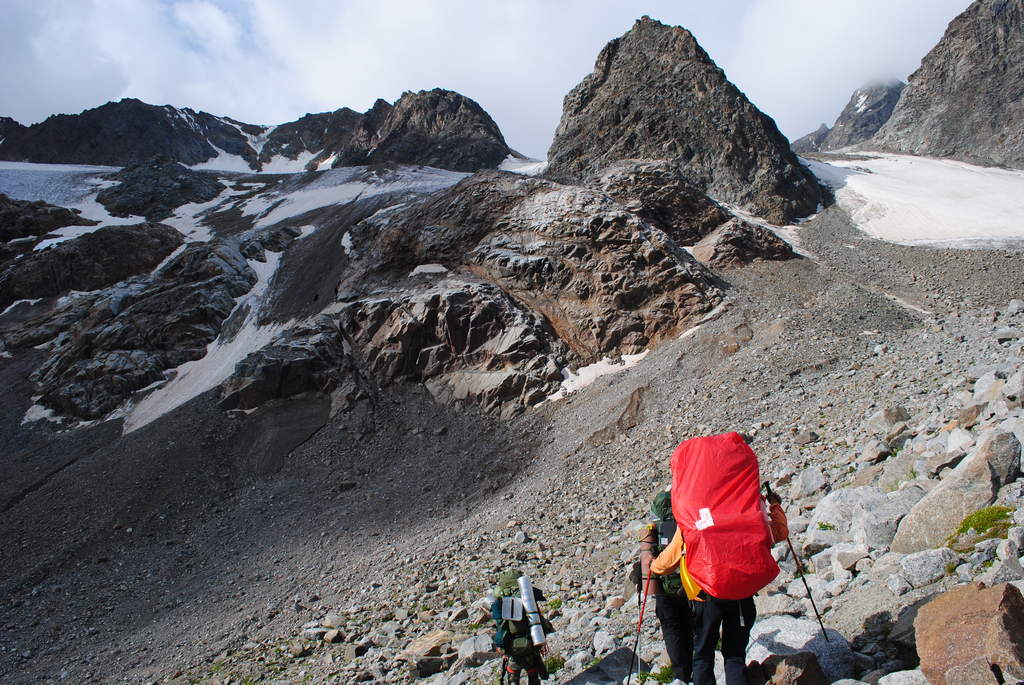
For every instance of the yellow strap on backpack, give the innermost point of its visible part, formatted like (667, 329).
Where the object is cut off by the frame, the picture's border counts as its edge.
(689, 584)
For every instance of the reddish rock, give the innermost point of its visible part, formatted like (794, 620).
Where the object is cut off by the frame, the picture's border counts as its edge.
(965, 634)
(800, 668)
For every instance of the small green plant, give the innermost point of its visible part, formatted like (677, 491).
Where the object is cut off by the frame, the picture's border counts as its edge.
(664, 675)
(825, 525)
(473, 627)
(987, 523)
(912, 474)
(554, 662)
(555, 604)
(594, 662)
(951, 568)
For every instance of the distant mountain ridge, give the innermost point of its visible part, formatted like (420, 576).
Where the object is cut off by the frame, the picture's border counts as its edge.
(435, 128)
(866, 112)
(966, 101)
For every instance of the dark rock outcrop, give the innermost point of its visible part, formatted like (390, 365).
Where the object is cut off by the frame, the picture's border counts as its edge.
(344, 135)
(311, 358)
(467, 341)
(739, 242)
(155, 188)
(91, 261)
(9, 128)
(660, 194)
(23, 218)
(437, 128)
(966, 101)
(442, 129)
(655, 94)
(129, 132)
(811, 142)
(123, 339)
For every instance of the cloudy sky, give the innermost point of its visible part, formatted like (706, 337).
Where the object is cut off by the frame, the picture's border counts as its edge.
(271, 61)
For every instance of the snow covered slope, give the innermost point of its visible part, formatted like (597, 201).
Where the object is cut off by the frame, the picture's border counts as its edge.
(927, 201)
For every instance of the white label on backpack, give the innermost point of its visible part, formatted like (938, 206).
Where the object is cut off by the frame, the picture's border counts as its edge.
(511, 609)
(705, 520)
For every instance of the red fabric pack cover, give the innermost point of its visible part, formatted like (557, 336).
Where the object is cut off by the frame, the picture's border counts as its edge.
(716, 499)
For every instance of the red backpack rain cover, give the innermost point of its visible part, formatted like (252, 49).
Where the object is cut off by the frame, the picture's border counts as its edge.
(716, 499)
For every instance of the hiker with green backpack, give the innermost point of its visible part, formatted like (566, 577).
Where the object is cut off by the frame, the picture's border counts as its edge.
(671, 604)
(520, 628)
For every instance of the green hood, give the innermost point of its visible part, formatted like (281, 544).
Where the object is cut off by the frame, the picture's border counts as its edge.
(661, 507)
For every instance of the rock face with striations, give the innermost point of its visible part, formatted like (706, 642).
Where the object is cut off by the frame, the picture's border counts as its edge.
(656, 94)
(966, 101)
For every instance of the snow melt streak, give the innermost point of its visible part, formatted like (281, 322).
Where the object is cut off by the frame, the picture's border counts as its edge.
(196, 377)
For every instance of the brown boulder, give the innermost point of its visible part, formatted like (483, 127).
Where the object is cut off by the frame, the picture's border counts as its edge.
(737, 242)
(799, 668)
(971, 632)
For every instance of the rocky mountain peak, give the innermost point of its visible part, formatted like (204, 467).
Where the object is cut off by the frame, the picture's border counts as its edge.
(812, 141)
(967, 99)
(656, 94)
(869, 108)
(439, 128)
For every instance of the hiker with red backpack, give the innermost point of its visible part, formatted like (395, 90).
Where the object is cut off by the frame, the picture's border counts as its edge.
(671, 604)
(722, 546)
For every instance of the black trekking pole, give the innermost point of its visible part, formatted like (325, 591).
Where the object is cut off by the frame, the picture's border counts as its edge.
(639, 625)
(504, 670)
(799, 565)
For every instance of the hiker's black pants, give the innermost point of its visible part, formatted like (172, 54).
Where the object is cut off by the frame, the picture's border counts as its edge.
(530, 662)
(677, 628)
(731, 620)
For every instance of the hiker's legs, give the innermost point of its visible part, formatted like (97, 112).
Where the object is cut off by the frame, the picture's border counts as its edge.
(737, 618)
(707, 619)
(512, 673)
(677, 629)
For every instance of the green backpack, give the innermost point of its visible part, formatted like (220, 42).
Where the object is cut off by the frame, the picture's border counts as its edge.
(513, 636)
(664, 530)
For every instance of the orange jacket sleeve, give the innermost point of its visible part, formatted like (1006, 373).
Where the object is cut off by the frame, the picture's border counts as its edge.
(668, 560)
(778, 522)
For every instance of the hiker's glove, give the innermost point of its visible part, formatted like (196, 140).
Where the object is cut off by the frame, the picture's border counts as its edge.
(773, 498)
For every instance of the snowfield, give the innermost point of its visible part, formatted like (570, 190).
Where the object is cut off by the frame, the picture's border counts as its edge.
(927, 201)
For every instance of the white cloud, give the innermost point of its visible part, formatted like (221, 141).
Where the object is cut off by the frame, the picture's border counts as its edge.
(268, 61)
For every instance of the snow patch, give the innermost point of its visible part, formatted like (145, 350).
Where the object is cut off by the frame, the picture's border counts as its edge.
(224, 161)
(279, 164)
(14, 304)
(520, 165)
(196, 377)
(346, 242)
(860, 102)
(340, 186)
(38, 412)
(927, 201)
(588, 374)
(429, 269)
